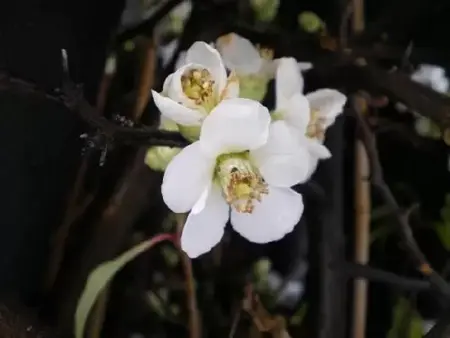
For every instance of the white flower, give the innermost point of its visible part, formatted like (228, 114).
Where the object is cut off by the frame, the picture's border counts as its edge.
(193, 90)
(307, 116)
(431, 76)
(255, 67)
(240, 55)
(241, 162)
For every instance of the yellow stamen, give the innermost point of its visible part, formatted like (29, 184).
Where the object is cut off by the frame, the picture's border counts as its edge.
(241, 182)
(316, 127)
(198, 85)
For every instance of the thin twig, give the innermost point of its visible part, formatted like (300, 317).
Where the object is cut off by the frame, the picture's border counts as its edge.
(71, 96)
(194, 315)
(146, 79)
(377, 275)
(362, 202)
(383, 189)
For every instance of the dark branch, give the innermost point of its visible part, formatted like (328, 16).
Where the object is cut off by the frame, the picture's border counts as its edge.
(377, 275)
(377, 179)
(72, 97)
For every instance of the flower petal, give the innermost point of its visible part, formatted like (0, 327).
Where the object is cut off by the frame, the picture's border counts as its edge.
(283, 161)
(289, 81)
(186, 178)
(239, 54)
(203, 54)
(317, 149)
(297, 113)
(231, 89)
(205, 229)
(272, 219)
(235, 125)
(177, 112)
(328, 102)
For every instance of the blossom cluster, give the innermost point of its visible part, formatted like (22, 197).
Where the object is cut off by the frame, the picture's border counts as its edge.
(243, 160)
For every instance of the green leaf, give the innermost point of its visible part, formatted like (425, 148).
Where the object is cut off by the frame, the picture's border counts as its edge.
(299, 316)
(102, 275)
(443, 233)
(405, 319)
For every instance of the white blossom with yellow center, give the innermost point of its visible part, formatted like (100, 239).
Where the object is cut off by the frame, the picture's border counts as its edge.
(192, 91)
(241, 163)
(307, 116)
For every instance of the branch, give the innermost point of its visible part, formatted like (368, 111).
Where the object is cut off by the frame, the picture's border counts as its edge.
(355, 270)
(72, 97)
(194, 315)
(377, 180)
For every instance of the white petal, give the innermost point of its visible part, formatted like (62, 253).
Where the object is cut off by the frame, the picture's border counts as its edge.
(282, 161)
(272, 219)
(166, 85)
(235, 125)
(313, 164)
(317, 149)
(239, 54)
(204, 230)
(186, 177)
(177, 112)
(328, 102)
(297, 112)
(288, 82)
(440, 85)
(203, 54)
(304, 66)
(231, 89)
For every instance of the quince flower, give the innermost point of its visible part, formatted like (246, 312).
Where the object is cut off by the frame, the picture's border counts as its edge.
(193, 90)
(241, 162)
(307, 116)
(254, 67)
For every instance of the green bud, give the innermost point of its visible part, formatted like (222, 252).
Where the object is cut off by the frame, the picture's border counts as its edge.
(265, 10)
(311, 22)
(158, 158)
(190, 133)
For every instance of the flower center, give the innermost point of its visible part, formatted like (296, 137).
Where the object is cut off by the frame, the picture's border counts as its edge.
(198, 85)
(241, 182)
(316, 127)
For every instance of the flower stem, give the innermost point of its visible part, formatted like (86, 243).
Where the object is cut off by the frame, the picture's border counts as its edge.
(194, 316)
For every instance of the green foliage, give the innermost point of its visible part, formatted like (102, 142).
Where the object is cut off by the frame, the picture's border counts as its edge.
(406, 322)
(442, 227)
(100, 278)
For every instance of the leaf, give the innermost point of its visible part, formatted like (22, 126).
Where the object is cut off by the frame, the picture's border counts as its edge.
(102, 275)
(405, 319)
(443, 233)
